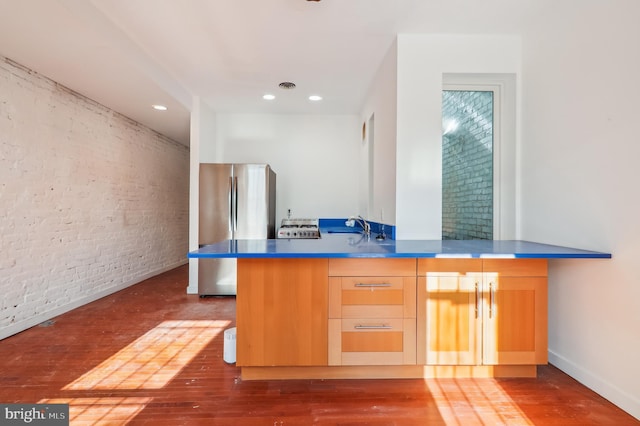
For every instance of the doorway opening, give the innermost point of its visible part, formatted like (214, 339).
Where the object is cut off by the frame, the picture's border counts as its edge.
(479, 179)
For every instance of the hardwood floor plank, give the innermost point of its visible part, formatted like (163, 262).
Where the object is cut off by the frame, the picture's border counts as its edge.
(116, 361)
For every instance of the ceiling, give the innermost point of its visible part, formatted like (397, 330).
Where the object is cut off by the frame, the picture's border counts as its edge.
(130, 54)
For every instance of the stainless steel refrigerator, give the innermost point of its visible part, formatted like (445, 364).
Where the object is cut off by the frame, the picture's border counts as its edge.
(237, 201)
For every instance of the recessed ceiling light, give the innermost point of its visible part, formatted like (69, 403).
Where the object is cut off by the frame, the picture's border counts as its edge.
(269, 97)
(159, 107)
(315, 98)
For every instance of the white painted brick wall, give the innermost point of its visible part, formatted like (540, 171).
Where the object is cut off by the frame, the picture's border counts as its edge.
(90, 201)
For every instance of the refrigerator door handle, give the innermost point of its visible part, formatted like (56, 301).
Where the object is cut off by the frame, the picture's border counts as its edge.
(230, 204)
(235, 204)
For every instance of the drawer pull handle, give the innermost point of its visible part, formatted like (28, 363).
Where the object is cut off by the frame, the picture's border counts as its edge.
(373, 327)
(491, 299)
(373, 284)
(477, 296)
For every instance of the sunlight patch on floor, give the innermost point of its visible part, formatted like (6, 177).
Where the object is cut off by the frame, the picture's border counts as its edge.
(475, 402)
(152, 360)
(101, 411)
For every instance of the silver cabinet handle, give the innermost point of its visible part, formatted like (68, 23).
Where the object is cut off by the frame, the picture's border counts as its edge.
(372, 285)
(491, 299)
(372, 327)
(477, 297)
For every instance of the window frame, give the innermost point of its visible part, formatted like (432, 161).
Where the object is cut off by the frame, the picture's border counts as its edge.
(504, 143)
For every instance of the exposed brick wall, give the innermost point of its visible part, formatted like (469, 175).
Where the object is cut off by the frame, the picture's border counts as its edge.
(467, 166)
(90, 201)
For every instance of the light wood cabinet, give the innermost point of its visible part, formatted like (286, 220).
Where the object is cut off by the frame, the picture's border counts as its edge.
(449, 318)
(372, 312)
(482, 311)
(281, 312)
(390, 317)
(515, 311)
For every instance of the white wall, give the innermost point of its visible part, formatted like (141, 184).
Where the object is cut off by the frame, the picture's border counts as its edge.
(203, 144)
(91, 202)
(314, 157)
(381, 102)
(422, 61)
(580, 178)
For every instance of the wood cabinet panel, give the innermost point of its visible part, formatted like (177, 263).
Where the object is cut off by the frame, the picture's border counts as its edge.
(372, 358)
(372, 297)
(281, 310)
(372, 311)
(372, 267)
(444, 313)
(372, 346)
(497, 317)
(372, 317)
(516, 267)
(451, 266)
(515, 320)
(448, 319)
(374, 341)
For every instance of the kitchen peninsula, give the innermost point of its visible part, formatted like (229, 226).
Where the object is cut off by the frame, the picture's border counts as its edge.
(349, 306)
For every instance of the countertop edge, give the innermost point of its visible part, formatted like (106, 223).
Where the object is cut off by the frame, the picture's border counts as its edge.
(340, 247)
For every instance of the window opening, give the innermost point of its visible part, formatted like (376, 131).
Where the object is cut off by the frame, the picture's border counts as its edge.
(468, 164)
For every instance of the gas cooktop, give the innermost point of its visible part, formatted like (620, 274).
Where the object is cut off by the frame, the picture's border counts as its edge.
(299, 228)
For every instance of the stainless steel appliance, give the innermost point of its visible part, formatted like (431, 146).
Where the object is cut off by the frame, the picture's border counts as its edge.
(237, 201)
(299, 228)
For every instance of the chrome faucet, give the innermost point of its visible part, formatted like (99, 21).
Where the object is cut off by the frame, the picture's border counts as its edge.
(366, 228)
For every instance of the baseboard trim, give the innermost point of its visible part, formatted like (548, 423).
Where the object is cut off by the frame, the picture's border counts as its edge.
(612, 393)
(33, 321)
(387, 372)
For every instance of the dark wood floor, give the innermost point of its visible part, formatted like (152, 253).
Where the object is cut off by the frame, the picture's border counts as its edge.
(153, 355)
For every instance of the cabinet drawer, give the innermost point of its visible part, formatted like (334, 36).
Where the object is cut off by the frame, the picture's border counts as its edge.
(372, 335)
(372, 267)
(372, 290)
(372, 297)
(448, 266)
(516, 267)
(372, 341)
(506, 267)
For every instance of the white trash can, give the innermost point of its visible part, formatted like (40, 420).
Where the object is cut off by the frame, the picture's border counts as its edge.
(229, 351)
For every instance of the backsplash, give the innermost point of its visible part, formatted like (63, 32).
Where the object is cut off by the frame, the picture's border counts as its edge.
(335, 225)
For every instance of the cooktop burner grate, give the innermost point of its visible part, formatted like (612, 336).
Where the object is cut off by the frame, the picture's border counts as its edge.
(299, 228)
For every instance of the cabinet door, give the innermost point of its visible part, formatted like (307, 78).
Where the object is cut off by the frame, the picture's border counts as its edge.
(281, 312)
(515, 319)
(449, 318)
(449, 312)
(467, 317)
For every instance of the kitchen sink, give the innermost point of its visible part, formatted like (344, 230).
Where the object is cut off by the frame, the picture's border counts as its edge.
(344, 231)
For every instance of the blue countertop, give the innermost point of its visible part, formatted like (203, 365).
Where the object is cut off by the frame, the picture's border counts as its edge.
(352, 245)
